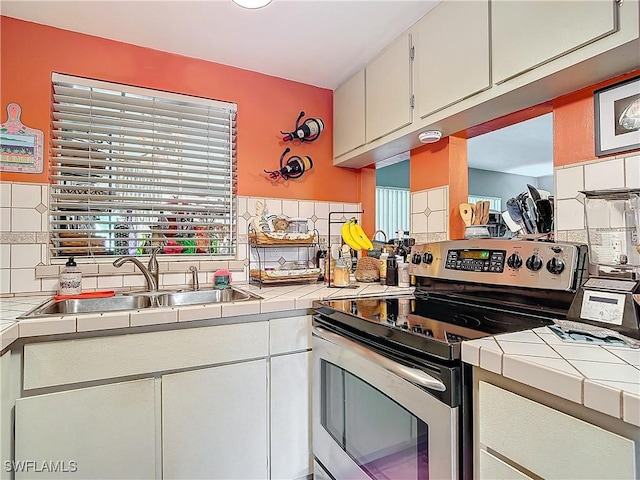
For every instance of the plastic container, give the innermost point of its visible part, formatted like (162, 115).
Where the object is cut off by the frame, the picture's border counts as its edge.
(341, 273)
(403, 275)
(70, 279)
(298, 225)
(222, 279)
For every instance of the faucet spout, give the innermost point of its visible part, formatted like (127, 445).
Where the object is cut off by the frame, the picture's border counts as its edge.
(151, 272)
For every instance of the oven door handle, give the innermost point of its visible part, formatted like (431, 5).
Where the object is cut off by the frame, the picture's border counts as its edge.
(413, 375)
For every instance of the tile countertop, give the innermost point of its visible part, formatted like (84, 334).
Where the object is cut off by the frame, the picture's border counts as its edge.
(603, 378)
(274, 299)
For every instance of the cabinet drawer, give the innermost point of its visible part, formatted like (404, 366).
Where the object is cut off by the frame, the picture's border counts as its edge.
(289, 334)
(550, 443)
(72, 361)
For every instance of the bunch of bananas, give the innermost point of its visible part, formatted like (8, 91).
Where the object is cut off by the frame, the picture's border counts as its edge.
(354, 236)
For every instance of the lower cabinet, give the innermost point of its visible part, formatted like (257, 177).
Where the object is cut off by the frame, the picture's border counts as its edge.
(214, 422)
(291, 416)
(101, 432)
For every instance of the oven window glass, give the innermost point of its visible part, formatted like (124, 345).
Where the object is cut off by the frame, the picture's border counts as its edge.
(383, 438)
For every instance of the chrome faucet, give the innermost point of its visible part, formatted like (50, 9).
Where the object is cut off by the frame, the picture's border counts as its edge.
(151, 272)
(194, 277)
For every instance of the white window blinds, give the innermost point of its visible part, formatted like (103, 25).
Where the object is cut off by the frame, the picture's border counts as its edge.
(133, 169)
(392, 210)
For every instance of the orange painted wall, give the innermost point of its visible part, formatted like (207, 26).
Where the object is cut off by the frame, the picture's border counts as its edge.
(368, 199)
(573, 124)
(439, 164)
(266, 104)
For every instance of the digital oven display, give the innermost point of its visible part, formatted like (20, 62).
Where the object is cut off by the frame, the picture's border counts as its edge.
(474, 254)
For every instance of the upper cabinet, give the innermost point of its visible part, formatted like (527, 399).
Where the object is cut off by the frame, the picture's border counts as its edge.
(389, 90)
(528, 34)
(452, 54)
(348, 115)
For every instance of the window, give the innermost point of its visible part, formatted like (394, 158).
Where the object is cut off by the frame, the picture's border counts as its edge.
(392, 210)
(133, 169)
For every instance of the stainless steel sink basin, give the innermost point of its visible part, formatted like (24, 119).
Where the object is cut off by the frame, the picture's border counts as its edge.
(195, 297)
(137, 301)
(90, 305)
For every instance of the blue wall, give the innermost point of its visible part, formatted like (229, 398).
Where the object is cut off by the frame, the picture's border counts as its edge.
(396, 175)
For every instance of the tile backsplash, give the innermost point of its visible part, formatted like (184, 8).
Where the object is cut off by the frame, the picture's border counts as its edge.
(25, 267)
(430, 214)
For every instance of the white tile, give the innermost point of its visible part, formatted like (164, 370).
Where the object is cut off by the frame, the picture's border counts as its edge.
(419, 223)
(602, 398)
(243, 225)
(5, 255)
(25, 255)
(569, 181)
(173, 279)
(628, 355)
(242, 206)
(569, 215)
(89, 283)
(199, 312)
(104, 321)
(529, 349)
(321, 210)
(305, 209)
(24, 280)
(608, 371)
(153, 316)
(25, 220)
(45, 326)
(632, 171)
(8, 336)
(240, 308)
(436, 222)
(26, 195)
(559, 364)
(277, 305)
(290, 208)
(543, 378)
(592, 353)
(111, 281)
(134, 281)
(631, 408)
(436, 199)
(603, 175)
(471, 354)
(5, 280)
(5, 194)
(491, 360)
(5, 219)
(49, 285)
(419, 202)
(336, 207)
(251, 204)
(274, 206)
(527, 336)
(633, 388)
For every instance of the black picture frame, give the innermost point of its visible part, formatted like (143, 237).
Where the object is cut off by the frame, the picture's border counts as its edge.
(617, 117)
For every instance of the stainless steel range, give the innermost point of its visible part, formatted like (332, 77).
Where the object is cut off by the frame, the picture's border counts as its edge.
(392, 399)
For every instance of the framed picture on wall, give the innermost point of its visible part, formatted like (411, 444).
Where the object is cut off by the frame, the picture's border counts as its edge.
(617, 117)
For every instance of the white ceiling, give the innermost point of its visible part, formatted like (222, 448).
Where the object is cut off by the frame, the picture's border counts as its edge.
(525, 148)
(317, 42)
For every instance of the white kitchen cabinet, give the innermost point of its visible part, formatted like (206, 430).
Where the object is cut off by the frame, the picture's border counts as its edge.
(214, 422)
(530, 33)
(547, 442)
(494, 468)
(291, 455)
(349, 115)
(452, 54)
(109, 431)
(389, 89)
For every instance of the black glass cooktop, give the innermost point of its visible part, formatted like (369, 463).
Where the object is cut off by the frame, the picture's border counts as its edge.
(433, 324)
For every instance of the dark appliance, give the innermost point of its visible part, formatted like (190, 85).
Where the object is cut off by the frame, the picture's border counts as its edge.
(391, 396)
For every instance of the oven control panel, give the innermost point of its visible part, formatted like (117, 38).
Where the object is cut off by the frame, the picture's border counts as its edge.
(521, 263)
(476, 260)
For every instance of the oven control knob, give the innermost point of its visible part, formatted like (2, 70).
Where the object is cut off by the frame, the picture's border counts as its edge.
(555, 266)
(534, 263)
(514, 261)
(427, 258)
(416, 258)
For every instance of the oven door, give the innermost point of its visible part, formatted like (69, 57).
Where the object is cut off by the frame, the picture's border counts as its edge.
(372, 420)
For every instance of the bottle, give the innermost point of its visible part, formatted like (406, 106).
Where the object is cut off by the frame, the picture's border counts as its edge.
(383, 268)
(392, 272)
(403, 275)
(71, 279)
(321, 258)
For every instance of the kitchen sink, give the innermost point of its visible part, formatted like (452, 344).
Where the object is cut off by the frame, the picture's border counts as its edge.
(195, 297)
(137, 301)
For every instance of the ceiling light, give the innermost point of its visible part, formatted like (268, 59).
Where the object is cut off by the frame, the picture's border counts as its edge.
(430, 136)
(252, 3)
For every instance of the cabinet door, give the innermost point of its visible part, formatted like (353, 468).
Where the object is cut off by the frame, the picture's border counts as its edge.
(452, 54)
(526, 34)
(492, 467)
(291, 416)
(389, 90)
(108, 431)
(214, 422)
(348, 115)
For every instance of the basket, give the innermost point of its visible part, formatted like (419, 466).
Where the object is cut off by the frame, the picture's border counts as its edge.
(281, 238)
(279, 276)
(367, 270)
